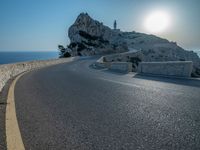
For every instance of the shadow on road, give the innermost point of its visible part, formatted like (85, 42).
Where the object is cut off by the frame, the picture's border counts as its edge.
(180, 81)
(114, 72)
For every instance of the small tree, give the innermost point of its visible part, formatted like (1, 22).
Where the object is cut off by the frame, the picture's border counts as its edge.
(135, 60)
(62, 50)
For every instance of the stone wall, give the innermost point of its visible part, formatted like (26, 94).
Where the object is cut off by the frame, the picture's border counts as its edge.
(9, 71)
(124, 67)
(170, 68)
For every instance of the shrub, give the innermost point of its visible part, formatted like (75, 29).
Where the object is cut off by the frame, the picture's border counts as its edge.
(135, 60)
(67, 54)
(61, 49)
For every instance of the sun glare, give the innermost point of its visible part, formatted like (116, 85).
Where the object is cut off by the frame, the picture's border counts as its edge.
(157, 22)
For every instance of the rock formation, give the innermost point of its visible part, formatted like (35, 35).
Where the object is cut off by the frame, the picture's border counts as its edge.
(90, 37)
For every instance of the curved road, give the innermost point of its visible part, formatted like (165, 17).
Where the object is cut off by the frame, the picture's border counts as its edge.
(73, 106)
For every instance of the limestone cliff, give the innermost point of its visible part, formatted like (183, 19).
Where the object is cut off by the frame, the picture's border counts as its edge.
(90, 37)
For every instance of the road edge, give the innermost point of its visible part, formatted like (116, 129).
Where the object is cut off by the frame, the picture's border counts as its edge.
(7, 103)
(13, 136)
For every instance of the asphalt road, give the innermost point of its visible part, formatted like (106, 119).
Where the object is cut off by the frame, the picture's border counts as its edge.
(74, 106)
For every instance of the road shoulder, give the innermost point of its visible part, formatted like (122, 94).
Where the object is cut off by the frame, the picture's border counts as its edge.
(3, 103)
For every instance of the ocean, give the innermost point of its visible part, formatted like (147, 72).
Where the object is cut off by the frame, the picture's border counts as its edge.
(14, 57)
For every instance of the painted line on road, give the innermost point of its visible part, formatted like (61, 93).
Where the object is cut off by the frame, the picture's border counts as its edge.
(13, 135)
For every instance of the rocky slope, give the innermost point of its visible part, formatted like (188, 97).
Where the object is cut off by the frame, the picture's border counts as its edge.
(90, 37)
(153, 56)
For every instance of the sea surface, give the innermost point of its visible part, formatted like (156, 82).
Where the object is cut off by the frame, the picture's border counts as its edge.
(14, 57)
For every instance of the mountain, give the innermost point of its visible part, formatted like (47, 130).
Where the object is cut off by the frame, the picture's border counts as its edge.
(90, 37)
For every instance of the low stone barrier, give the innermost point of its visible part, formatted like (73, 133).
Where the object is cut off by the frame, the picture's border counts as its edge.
(100, 63)
(169, 68)
(9, 71)
(124, 67)
(115, 66)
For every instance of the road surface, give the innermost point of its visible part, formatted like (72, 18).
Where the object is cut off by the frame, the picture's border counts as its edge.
(74, 106)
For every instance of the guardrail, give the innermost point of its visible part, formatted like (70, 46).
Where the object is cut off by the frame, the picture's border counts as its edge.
(114, 66)
(168, 68)
(9, 71)
(124, 67)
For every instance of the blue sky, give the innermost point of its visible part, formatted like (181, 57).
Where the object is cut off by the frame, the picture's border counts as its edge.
(40, 25)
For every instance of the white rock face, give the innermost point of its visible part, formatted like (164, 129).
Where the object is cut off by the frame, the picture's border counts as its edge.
(90, 37)
(85, 23)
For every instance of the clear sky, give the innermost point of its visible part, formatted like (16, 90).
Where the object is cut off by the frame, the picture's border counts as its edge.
(40, 25)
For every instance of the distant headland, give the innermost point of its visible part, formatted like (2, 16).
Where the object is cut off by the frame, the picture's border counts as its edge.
(91, 37)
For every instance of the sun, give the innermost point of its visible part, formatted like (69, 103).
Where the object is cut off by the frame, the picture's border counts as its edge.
(157, 22)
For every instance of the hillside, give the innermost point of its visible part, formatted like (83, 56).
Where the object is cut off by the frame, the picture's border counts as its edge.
(90, 37)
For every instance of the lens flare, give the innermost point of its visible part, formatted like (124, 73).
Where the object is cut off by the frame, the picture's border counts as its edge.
(157, 22)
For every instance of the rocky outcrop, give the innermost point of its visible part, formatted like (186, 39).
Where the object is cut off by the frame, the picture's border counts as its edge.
(90, 37)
